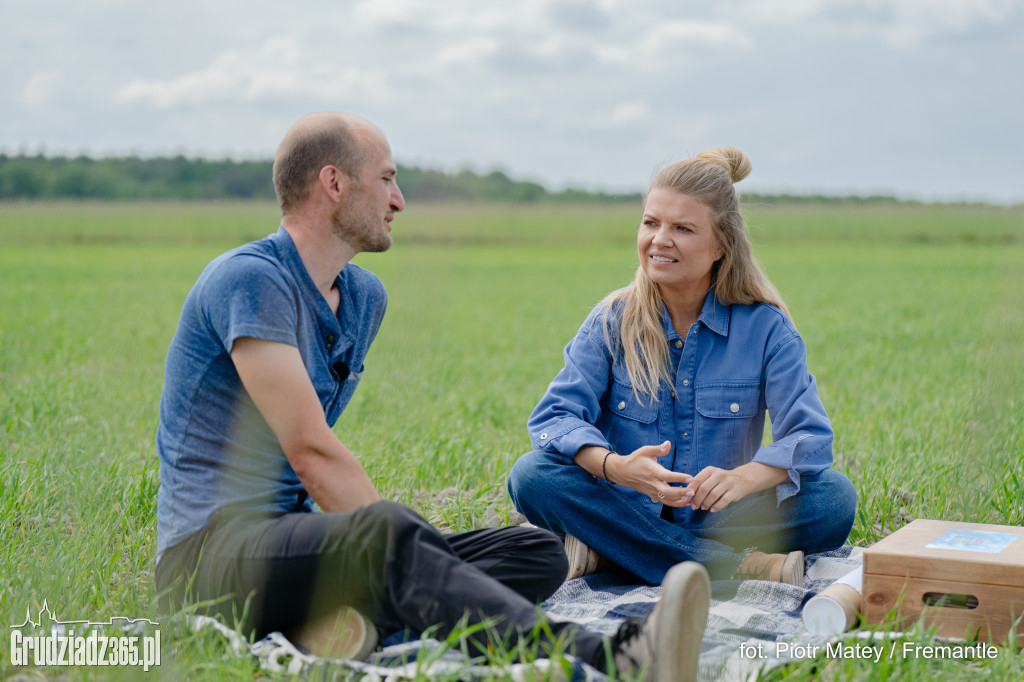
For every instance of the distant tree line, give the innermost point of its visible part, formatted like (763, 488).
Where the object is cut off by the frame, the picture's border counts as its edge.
(180, 178)
(39, 177)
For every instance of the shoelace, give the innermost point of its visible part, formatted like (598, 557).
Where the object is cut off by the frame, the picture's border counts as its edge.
(629, 631)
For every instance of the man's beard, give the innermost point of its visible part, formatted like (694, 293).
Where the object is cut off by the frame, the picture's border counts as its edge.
(359, 231)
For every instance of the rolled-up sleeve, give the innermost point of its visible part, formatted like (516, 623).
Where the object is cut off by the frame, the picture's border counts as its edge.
(801, 430)
(564, 420)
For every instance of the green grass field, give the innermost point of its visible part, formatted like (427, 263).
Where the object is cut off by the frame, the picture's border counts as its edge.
(912, 315)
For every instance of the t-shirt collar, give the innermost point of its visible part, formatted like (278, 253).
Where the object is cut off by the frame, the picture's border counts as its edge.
(289, 255)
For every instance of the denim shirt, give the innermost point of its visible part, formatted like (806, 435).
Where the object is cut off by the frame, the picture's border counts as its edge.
(215, 447)
(736, 362)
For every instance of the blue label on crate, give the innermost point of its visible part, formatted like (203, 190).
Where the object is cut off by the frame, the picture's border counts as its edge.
(973, 541)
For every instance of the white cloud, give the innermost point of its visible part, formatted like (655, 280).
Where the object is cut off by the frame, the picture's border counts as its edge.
(233, 75)
(470, 51)
(629, 112)
(918, 21)
(40, 88)
(695, 35)
(280, 70)
(903, 24)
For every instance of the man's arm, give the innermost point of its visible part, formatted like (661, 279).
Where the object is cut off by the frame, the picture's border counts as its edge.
(276, 379)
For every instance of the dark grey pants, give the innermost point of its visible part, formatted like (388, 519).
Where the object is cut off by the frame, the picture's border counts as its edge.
(384, 560)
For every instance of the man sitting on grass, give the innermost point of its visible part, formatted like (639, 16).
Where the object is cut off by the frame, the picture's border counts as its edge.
(267, 353)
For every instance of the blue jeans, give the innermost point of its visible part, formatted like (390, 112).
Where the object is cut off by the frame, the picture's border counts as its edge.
(554, 492)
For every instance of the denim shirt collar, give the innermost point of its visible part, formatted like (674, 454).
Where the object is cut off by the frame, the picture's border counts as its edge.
(714, 315)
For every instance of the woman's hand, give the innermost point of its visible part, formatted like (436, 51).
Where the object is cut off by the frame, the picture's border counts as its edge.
(640, 471)
(714, 489)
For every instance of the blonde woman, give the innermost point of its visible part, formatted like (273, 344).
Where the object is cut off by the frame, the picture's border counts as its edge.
(649, 441)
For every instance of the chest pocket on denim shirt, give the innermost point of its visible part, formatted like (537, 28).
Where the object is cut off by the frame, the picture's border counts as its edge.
(633, 423)
(728, 412)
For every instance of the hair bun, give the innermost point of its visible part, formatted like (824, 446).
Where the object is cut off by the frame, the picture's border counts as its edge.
(733, 160)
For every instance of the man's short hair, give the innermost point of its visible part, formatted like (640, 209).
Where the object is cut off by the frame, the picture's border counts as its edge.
(306, 149)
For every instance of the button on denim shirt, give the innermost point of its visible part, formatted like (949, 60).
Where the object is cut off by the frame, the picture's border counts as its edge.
(736, 362)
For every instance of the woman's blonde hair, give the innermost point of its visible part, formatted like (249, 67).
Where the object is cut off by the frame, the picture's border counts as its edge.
(736, 277)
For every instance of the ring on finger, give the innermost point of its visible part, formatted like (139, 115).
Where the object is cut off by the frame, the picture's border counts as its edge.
(661, 496)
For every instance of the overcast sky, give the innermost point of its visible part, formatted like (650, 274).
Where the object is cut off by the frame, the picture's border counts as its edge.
(918, 98)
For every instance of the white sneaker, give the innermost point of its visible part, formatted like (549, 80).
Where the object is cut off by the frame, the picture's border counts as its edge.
(665, 644)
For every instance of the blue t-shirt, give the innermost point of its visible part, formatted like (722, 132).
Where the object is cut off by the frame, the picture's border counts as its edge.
(215, 448)
(735, 363)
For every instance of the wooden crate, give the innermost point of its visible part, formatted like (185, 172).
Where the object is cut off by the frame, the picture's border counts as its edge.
(979, 567)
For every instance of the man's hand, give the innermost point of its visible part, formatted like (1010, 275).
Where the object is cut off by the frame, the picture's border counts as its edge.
(277, 381)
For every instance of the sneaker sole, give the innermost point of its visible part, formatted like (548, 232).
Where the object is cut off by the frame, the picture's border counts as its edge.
(685, 598)
(579, 557)
(793, 569)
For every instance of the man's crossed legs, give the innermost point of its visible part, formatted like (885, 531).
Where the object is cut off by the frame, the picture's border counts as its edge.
(394, 568)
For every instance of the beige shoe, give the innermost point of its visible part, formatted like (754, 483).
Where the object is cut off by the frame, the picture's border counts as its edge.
(779, 568)
(344, 634)
(665, 644)
(583, 560)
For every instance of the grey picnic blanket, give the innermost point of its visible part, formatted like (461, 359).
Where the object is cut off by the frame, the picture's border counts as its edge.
(753, 625)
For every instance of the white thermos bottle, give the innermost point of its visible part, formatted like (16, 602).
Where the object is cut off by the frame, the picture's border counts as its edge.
(834, 609)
